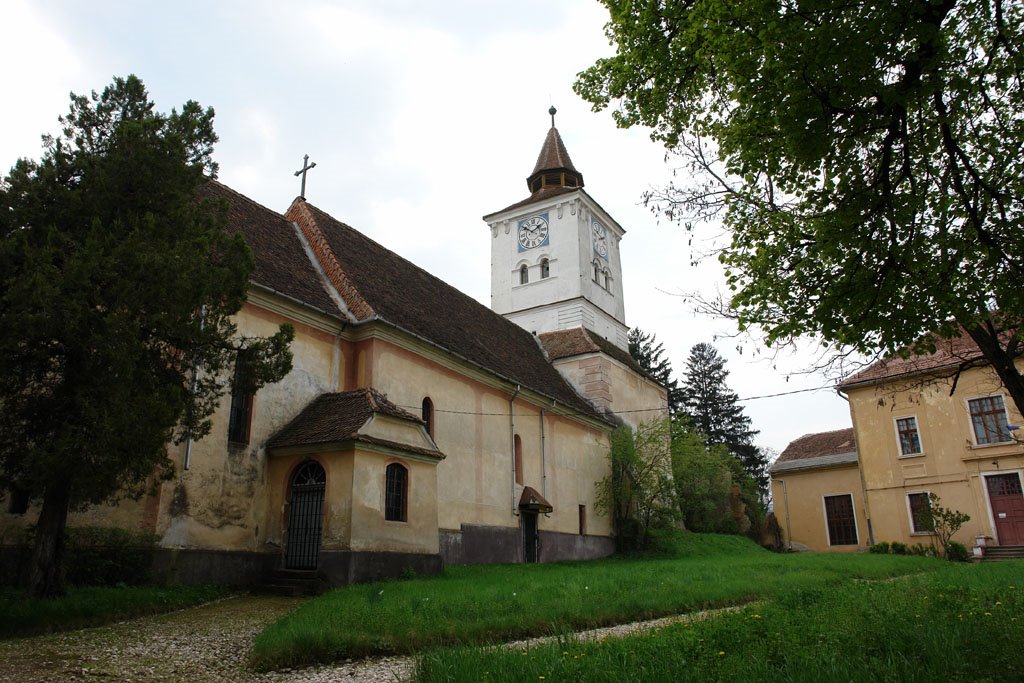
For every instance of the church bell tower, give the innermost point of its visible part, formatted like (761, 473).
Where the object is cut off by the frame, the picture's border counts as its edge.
(555, 255)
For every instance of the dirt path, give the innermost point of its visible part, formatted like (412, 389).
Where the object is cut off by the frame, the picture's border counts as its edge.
(208, 643)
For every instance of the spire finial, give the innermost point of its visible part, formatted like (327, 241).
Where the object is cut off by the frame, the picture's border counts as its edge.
(552, 111)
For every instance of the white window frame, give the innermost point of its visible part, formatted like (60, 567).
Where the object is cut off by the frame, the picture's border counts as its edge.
(899, 442)
(824, 516)
(910, 512)
(970, 420)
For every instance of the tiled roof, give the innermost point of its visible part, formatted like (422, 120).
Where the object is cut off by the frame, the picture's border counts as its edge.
(413, 300)
(577, 341)
(821, 448)
(334, 417)
(553, 154)
(281, 261)
(546, 192)
(948, 353)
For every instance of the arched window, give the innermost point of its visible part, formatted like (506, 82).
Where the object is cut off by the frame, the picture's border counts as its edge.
(396, 492)
(518, 443)
(597, 271)
(606, 278)
(545, 268)
(428, 415)
(524, 274)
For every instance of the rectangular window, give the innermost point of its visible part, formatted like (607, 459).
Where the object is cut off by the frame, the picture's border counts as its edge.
(920, 513)
(583, 520)
(842, 525)
(910, 440)
(988, 418)
(240, 416)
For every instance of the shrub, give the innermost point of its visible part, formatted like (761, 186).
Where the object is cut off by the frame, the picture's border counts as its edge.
(879, 548)
(899, 548)
(957, 552)
(100, 556)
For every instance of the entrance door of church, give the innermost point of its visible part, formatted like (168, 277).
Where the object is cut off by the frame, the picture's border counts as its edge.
(305, 516)
(1007, 499)
(531, 537)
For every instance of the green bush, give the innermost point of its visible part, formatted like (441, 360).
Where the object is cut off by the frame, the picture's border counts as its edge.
(101, 556)
(899, 548)
(879, 548)
(957, 552)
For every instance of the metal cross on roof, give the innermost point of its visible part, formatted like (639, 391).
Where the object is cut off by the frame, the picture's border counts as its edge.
(305, 167)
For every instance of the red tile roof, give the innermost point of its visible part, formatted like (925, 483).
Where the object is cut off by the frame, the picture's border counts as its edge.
(838, 442)
(553, 155)
(336, 417)
(406, 296)
(577, 341)
(282, 264)
(949, 353)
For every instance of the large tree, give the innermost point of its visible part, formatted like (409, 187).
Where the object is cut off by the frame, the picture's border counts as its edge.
(649, 353)
(865, 156)
(714, 410)
(117, 289)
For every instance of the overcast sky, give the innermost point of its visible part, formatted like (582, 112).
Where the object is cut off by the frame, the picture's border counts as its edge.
(421, 117)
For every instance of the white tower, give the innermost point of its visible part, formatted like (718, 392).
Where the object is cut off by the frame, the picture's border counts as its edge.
(555, 255)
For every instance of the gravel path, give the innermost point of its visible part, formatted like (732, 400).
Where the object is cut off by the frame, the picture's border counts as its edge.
(210, 643)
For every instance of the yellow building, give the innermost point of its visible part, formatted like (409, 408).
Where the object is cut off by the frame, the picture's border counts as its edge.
(939, 424)
(417, 426)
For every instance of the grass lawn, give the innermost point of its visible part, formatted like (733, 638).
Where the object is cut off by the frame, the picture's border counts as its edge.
(962, 622)
(83, 607)
(490, 604)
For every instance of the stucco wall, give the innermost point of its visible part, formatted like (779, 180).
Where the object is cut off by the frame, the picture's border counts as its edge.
(951, 465)
(800, 508)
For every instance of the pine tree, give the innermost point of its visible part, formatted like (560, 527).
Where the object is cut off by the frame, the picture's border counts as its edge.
(715, 411)
(649, 354)
(117, 295)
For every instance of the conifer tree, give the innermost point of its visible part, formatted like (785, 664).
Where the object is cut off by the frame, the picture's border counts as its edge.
(715, 412)
(117, 291)
(649, 354)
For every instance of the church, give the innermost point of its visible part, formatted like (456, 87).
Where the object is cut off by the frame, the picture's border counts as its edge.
(417, 426)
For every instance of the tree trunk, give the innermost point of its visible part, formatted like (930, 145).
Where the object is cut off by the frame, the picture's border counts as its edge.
(45, 576)
(1002, 363)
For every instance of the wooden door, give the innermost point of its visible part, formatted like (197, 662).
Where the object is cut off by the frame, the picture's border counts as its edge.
(1007, 500)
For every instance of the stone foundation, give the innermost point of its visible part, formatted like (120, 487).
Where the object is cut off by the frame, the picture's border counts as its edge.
(476, 544)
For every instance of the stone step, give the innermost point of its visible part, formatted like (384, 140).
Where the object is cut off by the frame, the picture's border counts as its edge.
(293, 582)
(1004, 552)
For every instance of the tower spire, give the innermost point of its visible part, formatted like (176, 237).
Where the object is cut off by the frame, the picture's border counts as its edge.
(554, 167)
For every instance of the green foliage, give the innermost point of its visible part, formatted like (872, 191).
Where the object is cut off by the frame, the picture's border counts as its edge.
(956, 623)
(865, 158)
(638, 492)
(879, 548)
(483, 604)
(649, 354)
(715, 412)
(117, 291)
(957, 552)
(86, 607)
(944, 522)
(899, 548)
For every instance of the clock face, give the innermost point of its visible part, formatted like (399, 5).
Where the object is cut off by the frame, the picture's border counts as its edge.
(533, 232)
(600, 240)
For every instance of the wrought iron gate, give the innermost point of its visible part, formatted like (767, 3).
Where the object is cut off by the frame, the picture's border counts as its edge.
(305, 516)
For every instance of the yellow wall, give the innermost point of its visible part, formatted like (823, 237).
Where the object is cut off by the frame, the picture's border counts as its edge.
(951, 465)
(800, 508)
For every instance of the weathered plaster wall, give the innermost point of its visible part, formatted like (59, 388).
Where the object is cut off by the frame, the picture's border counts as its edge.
(951, 464)
(800, 507)
(611, 385)
(370, 531)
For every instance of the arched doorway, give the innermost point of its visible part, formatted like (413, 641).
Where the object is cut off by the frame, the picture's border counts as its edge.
(305, 516)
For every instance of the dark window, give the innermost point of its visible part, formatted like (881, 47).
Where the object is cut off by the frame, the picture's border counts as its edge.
(518, 463)
(545, 268)
(597, 272)
(988, 417)
(842, 525)
(240, 416)
(395, 492)
(910, 441)
(920, 513)
(17, 501)
(583, 520)
(428, 415)
(524, 275)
